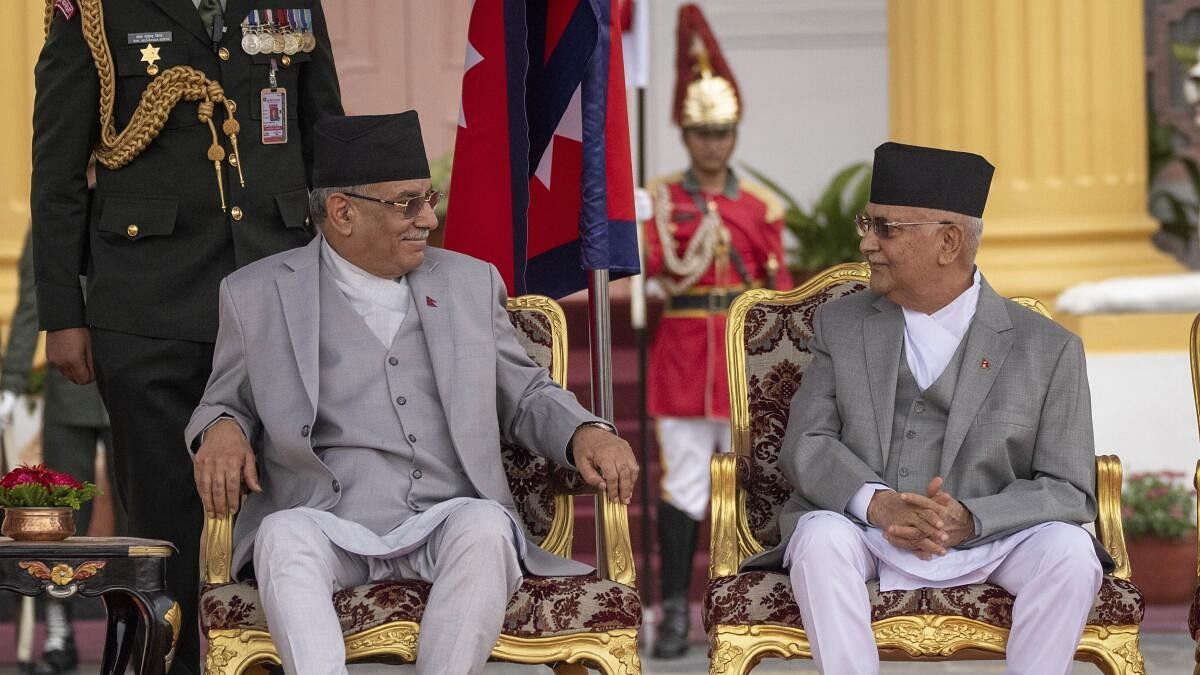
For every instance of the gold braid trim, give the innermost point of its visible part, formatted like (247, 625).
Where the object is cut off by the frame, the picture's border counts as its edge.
(48, 18)
(709, 237)
(180, 83)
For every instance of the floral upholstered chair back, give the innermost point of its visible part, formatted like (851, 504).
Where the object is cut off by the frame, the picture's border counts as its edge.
(774, 330)
(542, 491)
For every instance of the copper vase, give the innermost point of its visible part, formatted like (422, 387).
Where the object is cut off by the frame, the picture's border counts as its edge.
(38, 523)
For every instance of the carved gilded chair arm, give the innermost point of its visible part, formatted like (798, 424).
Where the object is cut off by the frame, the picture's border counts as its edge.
(725, 556)
(216, 549)
(1108, 521)
(615, 557)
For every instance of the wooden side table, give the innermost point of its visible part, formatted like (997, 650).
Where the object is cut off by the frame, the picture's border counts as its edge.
(128, 574)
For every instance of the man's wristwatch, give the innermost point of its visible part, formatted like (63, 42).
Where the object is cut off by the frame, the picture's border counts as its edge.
(599, 425)
(594, 423)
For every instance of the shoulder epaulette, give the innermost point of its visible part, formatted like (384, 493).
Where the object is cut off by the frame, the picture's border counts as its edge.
(772, 201)
(665, 179)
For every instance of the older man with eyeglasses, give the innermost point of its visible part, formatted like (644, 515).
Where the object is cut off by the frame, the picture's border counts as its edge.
(942, 434)
(361, 388)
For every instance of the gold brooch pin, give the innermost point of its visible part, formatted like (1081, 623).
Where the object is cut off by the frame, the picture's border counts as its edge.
(150, 56)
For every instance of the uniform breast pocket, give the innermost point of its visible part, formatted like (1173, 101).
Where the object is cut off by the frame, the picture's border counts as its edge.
(133, 218)
(287, 76)
(293, 208)
(136, 67)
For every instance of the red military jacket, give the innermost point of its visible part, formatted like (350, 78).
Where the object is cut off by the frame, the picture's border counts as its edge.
(687, 360)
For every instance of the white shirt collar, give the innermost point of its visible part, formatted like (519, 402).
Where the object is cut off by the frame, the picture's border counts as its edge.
(360, 285)
(382, 303)
(930, 340)
(956, 316)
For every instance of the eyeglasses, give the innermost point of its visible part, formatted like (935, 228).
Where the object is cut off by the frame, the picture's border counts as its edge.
(883, 228)
(411, 206)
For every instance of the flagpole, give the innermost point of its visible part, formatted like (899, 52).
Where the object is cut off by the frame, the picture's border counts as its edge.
(600, 336)
(638, 319)
(600, 347)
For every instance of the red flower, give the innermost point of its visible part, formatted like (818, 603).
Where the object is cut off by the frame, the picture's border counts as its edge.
(25, 474)
(38, 474)
(59, 479)
(38, 486)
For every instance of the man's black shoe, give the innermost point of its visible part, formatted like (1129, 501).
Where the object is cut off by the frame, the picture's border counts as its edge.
(672, 640)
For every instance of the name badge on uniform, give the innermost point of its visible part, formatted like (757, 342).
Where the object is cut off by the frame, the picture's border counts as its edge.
(147, 37)
(273, 102)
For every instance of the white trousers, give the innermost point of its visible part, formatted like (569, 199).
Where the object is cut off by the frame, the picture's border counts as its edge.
(471, 560)
(1054, 575)
(686, 445)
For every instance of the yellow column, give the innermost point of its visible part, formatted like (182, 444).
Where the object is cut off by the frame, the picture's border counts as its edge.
(21, 33)
(1053, 93)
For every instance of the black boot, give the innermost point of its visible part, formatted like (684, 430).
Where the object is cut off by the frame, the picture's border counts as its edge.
(676, 546)
(58, 654)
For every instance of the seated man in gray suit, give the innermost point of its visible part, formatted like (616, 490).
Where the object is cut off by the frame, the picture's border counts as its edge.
(942, 434)
(361, 388)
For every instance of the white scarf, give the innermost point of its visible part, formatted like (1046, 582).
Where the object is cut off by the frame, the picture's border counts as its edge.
(930, 340)
(382, 303)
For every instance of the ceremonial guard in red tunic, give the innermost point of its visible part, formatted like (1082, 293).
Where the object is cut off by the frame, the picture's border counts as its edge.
(713, 235)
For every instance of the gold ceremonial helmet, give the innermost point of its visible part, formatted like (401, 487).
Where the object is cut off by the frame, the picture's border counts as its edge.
(706, 93)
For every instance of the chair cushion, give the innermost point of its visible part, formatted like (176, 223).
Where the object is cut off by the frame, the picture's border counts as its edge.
(766, 597)
(541, 607)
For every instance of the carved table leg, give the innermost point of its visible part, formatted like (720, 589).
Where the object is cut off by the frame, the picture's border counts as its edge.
(123, 620)
(161, 618)
(157, 617)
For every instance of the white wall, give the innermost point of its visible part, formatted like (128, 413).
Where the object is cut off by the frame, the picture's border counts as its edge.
(1142, 410)
(813, 74)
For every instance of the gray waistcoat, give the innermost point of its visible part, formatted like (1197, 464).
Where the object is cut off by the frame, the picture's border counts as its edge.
(919, 426)
(380, 424)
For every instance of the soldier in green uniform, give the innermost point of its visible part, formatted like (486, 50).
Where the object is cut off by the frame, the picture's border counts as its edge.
(74, 422)
(199, 114)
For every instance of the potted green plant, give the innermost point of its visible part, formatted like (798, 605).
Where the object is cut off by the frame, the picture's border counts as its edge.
(1176, 210)
(1158, 511)
(824, 233)
(39, 503)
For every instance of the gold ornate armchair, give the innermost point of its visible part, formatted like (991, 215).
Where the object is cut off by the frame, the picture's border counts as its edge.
(1194, 613)
(569, 623)
(753, 615)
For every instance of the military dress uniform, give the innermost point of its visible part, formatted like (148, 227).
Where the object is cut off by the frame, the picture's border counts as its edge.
(688, 390)
(687, 376)
(170, 224)
(704, 248)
